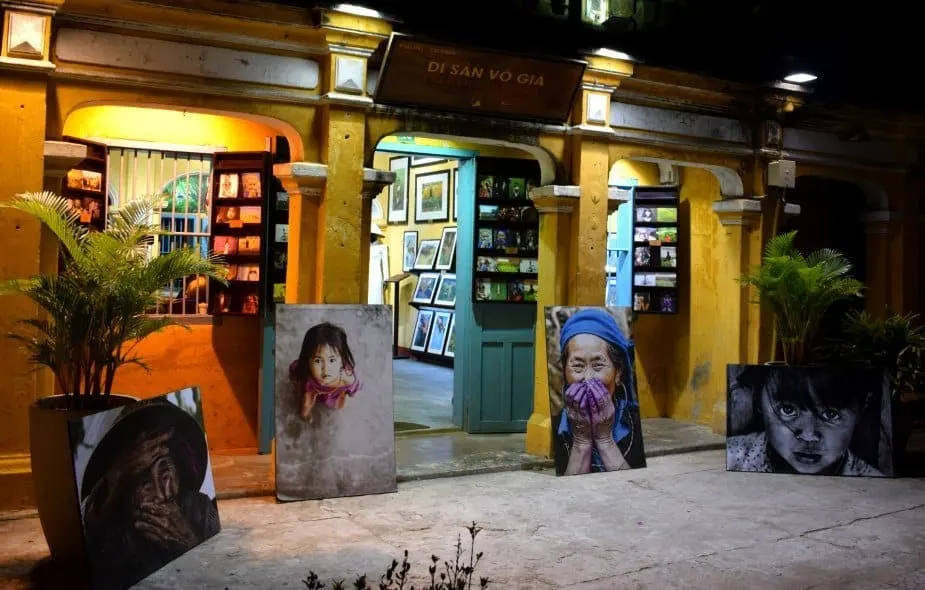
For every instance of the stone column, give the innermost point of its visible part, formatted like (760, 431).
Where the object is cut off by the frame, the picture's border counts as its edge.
(555, 205)
(882, 229)
(738, 246)
(304, 181)
(24, 66)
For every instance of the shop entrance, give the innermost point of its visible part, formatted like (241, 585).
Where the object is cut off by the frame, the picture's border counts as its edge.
(460, 238)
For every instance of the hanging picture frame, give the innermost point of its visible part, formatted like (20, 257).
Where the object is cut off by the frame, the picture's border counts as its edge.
(450, 350)
(431, 196)
(437, 339)
(446, 290)
(409, 250)
(422, 330)
(398, 191)
(426, 288)
(447, 249)
(427, 255)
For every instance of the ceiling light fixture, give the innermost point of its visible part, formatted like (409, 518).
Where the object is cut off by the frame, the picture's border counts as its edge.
(800, 78)
(357, 10)
(604, 52)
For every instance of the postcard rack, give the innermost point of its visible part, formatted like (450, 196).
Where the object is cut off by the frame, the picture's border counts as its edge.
(505, 265)
(655, 250)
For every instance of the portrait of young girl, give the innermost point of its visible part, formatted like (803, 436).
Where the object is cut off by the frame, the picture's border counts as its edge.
(324, 374)
(807, 420)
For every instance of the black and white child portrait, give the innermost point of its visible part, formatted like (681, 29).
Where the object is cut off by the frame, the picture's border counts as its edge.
(808, 420)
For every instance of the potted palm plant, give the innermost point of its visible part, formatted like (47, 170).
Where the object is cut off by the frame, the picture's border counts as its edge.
(894, 345)
(799, 291)
(92, 315)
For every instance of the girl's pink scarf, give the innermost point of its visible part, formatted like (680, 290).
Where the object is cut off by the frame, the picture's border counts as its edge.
(328, 395)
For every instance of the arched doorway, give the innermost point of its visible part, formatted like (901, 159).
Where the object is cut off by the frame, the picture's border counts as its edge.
(485, 384)
(169, 151)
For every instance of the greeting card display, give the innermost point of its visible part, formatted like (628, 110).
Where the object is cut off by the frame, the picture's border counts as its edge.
(655, 249)
(507, 231)
(85, 186)
(240, 230)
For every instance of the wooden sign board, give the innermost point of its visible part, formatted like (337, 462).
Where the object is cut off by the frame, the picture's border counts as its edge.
(449, 78)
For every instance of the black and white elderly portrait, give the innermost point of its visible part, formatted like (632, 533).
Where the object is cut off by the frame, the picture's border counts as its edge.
(145, 485)
(808, 420)
(335, 434)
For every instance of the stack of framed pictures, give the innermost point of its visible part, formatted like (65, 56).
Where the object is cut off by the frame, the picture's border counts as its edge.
(506, 231)
(240, 197)
(434, 295)
(655, 250)
(85, 186)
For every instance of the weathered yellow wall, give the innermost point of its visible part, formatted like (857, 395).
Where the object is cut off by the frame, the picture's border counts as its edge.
(679, 375)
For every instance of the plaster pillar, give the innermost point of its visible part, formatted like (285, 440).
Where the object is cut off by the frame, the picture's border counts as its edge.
(24, 66)
(304, 181)
(738, 245)
(555, 205)
(884, 272)
(344, 217)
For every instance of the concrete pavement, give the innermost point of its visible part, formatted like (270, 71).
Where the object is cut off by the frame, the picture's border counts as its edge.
(683, 522)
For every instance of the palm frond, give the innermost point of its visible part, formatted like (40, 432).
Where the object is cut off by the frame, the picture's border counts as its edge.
(56, 214)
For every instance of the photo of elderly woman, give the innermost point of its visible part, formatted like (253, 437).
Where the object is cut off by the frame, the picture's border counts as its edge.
(808, 420)
(592, 392)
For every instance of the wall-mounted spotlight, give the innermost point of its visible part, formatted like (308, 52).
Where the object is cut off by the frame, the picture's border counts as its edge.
(800, 78)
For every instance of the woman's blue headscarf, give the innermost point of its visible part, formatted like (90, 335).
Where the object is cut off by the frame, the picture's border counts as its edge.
(598, 322)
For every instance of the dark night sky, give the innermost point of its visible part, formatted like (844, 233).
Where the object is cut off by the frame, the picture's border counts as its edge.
(866, 53)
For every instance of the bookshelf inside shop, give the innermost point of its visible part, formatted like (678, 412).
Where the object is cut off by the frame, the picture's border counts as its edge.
(506, 231)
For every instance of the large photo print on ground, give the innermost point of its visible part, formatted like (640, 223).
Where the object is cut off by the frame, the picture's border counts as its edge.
(145, 485)
(809, 420)
(592, 390)
(334, 409)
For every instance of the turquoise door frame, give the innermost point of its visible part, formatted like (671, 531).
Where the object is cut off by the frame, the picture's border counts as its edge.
(465, 241)
(625, 244)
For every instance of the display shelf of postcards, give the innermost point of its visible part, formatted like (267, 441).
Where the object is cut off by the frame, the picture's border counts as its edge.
(505, 265)
(279, 253)
(241, 230)
(85, 185)
(655, 250)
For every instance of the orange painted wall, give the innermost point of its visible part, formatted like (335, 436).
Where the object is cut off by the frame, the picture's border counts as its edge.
(222, 359)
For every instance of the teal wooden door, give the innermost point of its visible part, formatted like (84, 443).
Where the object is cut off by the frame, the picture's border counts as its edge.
(497, 374)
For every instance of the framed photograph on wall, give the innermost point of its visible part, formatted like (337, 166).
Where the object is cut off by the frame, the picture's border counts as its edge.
(422, 330)
(446, 290)
(447, 249)
(437, 340)
(409, 250)
(398, 191)
(450, 349)
(426, 160)
(432, 193)
(426, 287)
(455, 194)
(427, 255)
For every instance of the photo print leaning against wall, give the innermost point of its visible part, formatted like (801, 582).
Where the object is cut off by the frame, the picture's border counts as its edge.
(592, 390)
(808, 420)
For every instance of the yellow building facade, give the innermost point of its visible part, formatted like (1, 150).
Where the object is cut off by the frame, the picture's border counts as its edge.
(232, 76)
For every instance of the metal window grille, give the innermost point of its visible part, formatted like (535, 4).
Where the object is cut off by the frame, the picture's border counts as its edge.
(183, 181)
